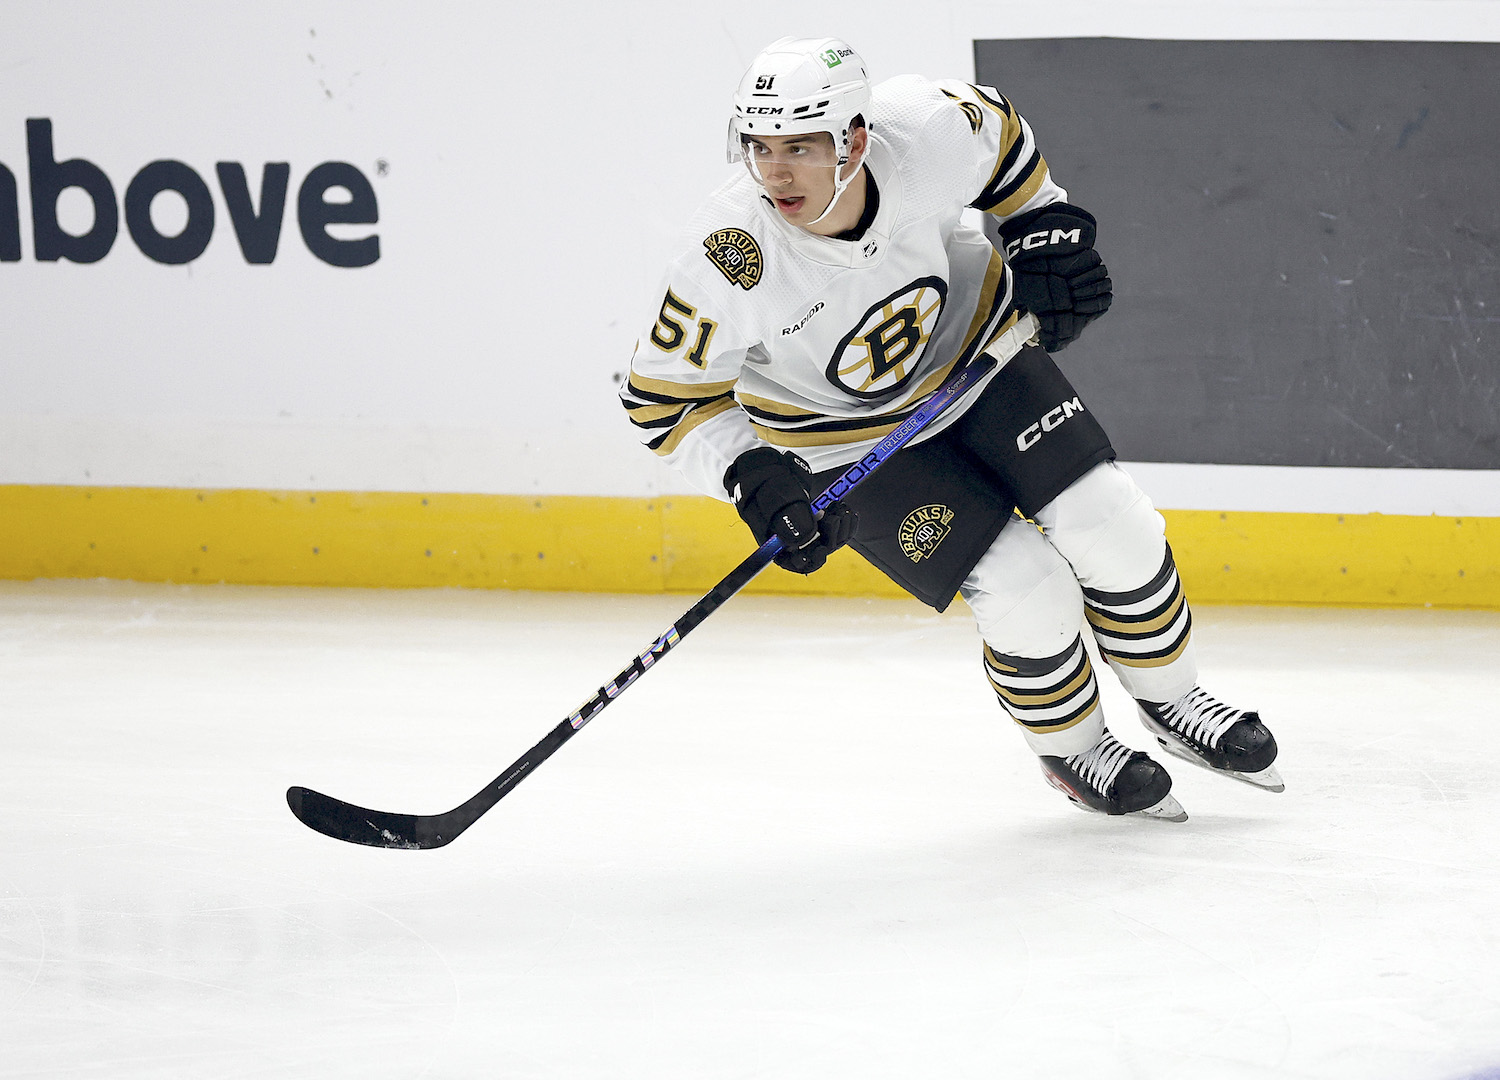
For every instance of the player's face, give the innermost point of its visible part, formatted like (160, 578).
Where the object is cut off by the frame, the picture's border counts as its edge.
(797, 172)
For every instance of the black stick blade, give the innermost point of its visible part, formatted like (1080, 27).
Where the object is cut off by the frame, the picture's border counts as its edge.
(372, 828)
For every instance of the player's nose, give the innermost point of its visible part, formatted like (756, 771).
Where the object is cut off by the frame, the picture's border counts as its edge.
(777, 172)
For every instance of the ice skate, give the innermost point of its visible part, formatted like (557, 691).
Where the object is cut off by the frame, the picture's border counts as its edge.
(1113, 779)
(1200, 729)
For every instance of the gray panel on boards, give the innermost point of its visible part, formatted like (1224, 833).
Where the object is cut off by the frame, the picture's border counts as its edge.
(1303, 237)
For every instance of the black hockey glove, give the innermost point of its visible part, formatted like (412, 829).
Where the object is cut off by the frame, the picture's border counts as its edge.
(770, 489)
(1059, 277)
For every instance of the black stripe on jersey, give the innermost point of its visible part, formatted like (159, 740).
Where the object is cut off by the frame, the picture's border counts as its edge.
(668, 441)
(992, 197)
(998, 101)
(778, 417)
(667, 399)
(986, 200)
(843, 423)
(669, 420)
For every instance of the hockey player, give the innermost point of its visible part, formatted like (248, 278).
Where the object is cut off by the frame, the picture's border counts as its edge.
(832, 285)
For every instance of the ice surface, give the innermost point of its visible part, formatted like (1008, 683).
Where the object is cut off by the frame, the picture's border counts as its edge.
(807, 845)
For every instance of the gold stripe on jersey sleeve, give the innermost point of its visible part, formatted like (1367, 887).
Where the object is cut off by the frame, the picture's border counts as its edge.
(679, 391)
(1022, 195)
(698, 416)
(1010, 128)
(644, 414)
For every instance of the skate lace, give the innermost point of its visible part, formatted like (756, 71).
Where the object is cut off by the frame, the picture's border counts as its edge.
(1200, 717)
(1099, 765)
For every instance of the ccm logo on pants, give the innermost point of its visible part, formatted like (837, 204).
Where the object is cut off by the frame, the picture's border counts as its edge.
(1033, 435)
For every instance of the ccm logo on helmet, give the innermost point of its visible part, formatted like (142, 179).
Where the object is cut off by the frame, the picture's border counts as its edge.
(764, 110)
(1033, 435)
(1032, 241)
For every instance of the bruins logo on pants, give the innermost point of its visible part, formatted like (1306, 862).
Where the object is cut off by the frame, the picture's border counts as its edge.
(923, 530)
(879, 356)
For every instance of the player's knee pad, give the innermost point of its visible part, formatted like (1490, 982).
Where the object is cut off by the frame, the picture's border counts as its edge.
(1024, 596)
(1107, 528)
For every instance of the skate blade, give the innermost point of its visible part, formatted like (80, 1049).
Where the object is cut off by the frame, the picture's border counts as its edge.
(1268, 779)
(1169, 809)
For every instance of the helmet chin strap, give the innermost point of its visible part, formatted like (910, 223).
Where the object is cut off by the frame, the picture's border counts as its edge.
(840, 185)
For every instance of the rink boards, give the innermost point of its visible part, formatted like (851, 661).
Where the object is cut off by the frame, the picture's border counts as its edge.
(672, 544)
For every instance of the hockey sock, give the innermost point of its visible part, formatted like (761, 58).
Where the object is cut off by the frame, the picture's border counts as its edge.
(1146, 628)
(1048, 695)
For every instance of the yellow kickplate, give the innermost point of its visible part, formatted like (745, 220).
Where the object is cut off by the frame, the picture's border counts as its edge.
(1379, 560)
(678, 544)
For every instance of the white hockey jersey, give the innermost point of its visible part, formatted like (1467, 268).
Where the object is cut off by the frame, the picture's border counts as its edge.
(769, 334)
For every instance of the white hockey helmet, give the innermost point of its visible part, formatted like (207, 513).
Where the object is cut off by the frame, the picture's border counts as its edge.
(797, 86)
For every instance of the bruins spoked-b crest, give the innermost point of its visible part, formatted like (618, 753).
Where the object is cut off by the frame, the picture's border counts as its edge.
(736, 254)
(879, 356)
(923, 530)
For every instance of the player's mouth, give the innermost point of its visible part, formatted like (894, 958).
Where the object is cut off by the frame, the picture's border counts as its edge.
(789, 206)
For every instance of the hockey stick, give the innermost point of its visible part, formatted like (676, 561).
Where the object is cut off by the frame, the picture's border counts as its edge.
(377, 828)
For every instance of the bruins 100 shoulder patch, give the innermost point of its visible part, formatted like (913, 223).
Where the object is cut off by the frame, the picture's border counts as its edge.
(923, 530)
(736, 254)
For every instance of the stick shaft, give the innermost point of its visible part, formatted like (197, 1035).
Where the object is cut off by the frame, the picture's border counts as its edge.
(375, 828)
